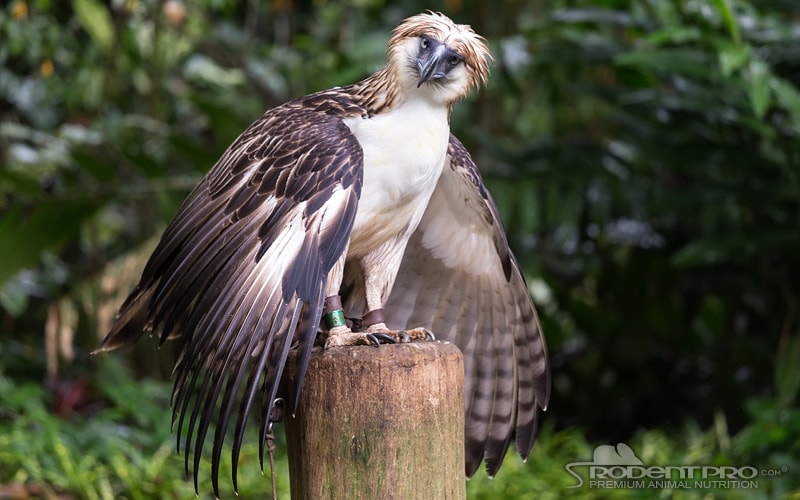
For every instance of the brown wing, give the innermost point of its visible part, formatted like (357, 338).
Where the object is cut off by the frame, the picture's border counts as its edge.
(459, 279)
(242, 264)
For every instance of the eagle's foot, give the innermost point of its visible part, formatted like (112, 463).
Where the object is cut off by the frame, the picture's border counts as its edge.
(375, 335)
(400, 336)
(350, 338)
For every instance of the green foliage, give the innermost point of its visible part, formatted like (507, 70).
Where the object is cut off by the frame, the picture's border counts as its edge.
(120, 449)
(544, 475)
(644, 155)
(647, 171)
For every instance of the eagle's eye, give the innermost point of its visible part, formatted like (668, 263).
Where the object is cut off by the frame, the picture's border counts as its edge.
(454, 60)
(424, 43)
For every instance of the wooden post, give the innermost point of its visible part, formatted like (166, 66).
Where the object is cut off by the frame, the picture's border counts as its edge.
(380, 422)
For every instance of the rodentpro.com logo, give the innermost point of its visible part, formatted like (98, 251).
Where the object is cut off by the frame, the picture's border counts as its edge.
(618, 467)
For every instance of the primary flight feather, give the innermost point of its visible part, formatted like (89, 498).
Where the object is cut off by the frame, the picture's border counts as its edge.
(352, 202)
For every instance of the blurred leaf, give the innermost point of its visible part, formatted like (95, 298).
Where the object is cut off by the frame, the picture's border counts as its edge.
(96, 20)
(225, 122)
(728, 19)
(738, 247)
(16, 182)
(94, 162)
(674, 35)
(205, 70)
(689, 62)
(733, 57)
(711, 320)
(788, 97)
(787, 372)
(25, 233)
(14, 299)
(759, 87)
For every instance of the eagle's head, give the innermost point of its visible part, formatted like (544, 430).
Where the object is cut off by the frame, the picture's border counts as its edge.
(445, 60)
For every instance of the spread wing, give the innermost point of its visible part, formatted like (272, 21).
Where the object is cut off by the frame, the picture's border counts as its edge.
(459, 279)
(239, 274)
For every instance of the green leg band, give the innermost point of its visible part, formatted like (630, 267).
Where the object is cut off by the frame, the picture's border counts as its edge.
(335, 318)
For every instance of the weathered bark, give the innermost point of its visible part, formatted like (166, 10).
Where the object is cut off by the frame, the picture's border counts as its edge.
(380, 422)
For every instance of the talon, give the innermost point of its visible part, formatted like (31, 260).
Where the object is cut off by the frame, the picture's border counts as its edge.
(276, 414)
(378, 337)
(404, 337)
(429, 335)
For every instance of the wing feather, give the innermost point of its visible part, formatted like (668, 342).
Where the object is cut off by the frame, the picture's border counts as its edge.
(504, 401)
(459, 279)
(239, 274)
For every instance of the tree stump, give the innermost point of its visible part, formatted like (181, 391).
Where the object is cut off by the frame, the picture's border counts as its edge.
(379, 422)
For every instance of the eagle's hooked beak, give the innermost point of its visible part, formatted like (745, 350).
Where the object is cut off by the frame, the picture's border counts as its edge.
(435, 61)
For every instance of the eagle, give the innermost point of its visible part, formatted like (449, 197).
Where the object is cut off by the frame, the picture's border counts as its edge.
(354, 202)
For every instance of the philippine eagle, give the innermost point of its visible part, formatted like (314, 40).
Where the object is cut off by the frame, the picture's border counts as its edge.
(352, 202)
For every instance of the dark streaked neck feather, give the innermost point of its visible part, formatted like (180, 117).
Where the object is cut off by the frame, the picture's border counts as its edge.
(375, 94)
(378, 93)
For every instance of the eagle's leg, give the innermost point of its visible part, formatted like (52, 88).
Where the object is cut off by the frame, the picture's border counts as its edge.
(339, 334)
(378, 271)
